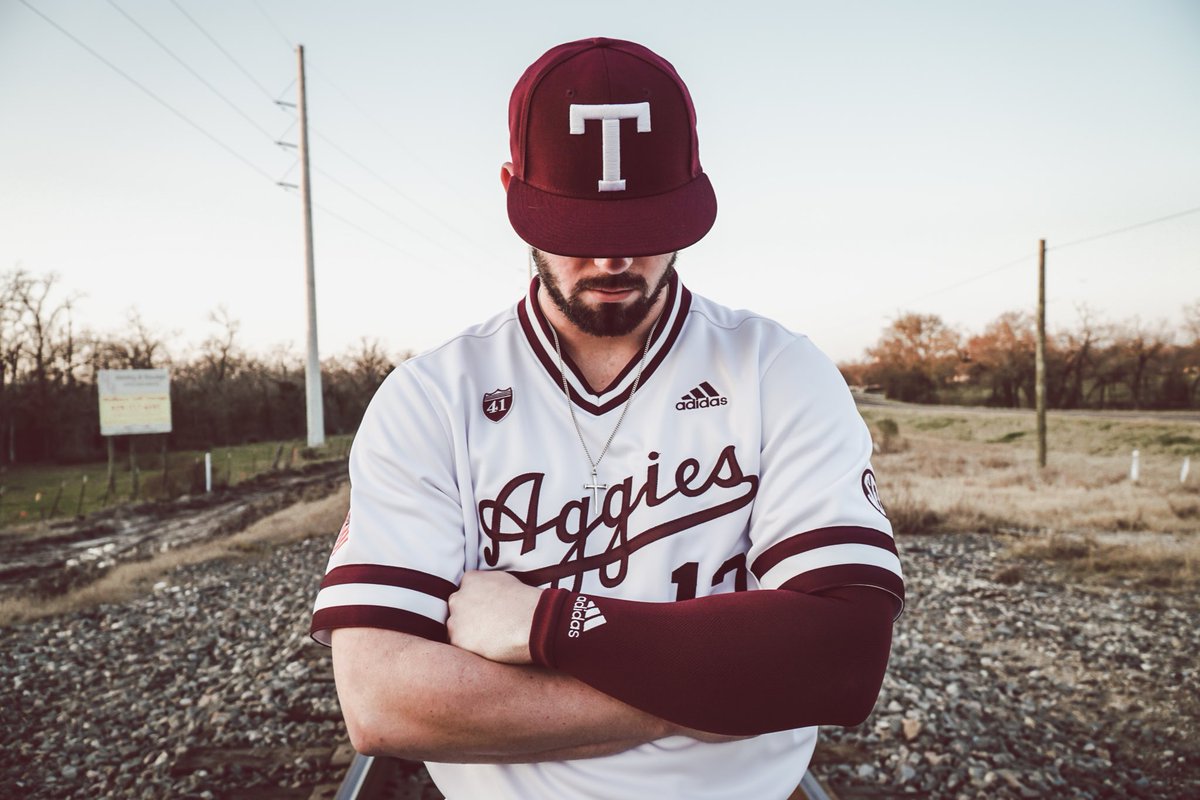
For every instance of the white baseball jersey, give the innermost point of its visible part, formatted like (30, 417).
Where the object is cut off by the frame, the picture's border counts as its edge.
(741, 464)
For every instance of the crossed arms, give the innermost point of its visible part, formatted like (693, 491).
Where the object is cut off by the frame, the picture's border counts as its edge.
(801, 659)
(409, 697)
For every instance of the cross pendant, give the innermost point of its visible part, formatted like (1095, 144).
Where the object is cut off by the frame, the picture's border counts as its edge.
(595, 486)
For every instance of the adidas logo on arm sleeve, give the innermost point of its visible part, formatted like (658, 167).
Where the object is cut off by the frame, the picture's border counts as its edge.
(585, 615)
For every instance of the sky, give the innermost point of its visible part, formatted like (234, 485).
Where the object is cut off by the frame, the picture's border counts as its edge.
(869, 159)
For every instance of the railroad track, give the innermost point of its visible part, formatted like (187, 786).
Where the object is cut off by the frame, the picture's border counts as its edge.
(370, 778)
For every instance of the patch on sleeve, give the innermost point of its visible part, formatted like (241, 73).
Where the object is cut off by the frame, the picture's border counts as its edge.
(871, 490)
(343, 534)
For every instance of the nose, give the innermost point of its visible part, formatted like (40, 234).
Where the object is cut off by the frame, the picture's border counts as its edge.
(614, 266)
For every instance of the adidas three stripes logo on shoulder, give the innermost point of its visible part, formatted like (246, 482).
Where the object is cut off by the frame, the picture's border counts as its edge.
(703, 396)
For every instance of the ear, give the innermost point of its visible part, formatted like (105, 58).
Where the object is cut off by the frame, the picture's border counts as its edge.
(506, 174)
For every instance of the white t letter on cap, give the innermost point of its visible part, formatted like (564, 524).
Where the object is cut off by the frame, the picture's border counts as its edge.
(611, 116)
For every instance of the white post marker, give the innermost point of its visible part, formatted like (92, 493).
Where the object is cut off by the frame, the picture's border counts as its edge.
(207, 472)
(1187, 467)
(1134, 467)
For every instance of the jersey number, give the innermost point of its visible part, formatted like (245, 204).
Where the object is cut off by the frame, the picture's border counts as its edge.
(687, 576)
(497, 406)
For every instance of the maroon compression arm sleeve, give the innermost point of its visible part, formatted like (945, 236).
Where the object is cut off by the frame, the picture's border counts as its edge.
(740, 664)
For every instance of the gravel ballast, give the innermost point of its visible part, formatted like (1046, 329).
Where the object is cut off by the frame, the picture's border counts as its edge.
(1005, 681)
(1008, 679)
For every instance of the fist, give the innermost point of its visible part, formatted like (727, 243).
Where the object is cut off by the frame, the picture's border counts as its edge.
(491, 614)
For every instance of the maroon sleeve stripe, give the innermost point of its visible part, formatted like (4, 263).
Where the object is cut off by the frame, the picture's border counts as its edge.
(819, 580)
(821, 537)
(392, 619)
(390, 576)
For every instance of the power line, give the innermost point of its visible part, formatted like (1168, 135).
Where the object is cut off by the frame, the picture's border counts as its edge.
(286, 39)
(331, 213)
(374, 174)
(289, 170)
(149, 92)
(326, 139)
(227, 54)
(1155, 221)
(272, 138)
(379, 178)
(193, 72)
(380, 208)
(973, 278)
(154, 96)
(462, 236)
(394, 188)
(390, 245)
(285, 89)
(391, 136)
(325, 174)
(1026, 258)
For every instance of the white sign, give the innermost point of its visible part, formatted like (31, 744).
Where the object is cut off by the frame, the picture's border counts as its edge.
(134, 401)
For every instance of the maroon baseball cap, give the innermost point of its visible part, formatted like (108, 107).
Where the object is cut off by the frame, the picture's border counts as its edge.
(606, 164)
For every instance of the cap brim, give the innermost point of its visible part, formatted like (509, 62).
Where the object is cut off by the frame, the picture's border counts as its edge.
(633, 226)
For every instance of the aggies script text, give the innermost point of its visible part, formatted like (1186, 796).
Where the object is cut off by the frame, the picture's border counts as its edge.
(515, 515)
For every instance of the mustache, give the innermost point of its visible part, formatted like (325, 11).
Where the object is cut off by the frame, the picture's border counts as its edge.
(612, 283)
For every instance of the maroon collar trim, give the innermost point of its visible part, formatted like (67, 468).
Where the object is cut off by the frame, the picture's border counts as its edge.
(679, 300)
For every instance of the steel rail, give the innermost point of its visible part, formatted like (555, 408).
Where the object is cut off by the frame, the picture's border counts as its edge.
(370, 778)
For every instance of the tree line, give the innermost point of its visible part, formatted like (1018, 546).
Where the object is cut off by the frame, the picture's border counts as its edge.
(221, 394)
(1098, 363)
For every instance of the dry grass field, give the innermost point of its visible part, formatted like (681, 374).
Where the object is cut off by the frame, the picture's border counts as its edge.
(951, 470)
(941, 470)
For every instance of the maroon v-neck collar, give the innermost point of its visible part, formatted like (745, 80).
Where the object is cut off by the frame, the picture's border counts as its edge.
(537, 332)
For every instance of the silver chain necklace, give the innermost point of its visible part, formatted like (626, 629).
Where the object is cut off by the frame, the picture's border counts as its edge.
(595, 486)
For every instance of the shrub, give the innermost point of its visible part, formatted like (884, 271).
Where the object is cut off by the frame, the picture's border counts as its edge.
(910, 518)
(889, 435)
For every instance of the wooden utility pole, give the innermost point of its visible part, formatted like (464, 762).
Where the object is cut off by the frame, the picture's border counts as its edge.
(133, 467)
(112, 463)
(1040, 356)
(312, 365)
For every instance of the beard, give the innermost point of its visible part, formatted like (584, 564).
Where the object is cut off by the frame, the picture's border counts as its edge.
(605, 319)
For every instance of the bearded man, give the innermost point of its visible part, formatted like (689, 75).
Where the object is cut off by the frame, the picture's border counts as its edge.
(618, 541)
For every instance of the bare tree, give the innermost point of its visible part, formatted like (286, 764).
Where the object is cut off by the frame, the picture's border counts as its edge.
(40, 316)
(369, 364)
(219, 351)
(138, 347)
(1189, 354)
(1141, 345)
(13, 287)
(1077, 348)
(1191, 321)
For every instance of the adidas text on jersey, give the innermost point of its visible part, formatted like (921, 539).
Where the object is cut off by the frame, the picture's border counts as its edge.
(703, 396)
